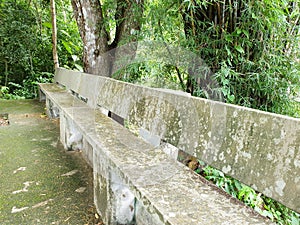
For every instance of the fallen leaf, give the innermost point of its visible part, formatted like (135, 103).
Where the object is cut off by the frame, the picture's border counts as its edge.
(16, 210)
(20, 169)
(67, 219)
(42, 203)
(70, 173)
(80, 190)
(26, 185)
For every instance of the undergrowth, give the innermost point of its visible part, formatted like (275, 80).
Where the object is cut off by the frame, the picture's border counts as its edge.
(262, 204)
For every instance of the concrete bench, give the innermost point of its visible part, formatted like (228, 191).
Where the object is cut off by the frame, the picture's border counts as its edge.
(136, 182)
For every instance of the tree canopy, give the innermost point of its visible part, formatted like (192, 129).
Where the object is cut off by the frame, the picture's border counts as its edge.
(26, 45)
(251, 47)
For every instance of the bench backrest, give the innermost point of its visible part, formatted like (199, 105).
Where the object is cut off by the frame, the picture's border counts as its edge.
(258, 148)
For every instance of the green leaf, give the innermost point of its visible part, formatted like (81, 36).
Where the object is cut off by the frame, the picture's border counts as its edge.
(65, 33)
(246, 33)
(231, 98)
(78, 67)
(239, 31)
(198, 170)
(47, 24)
(254, 16)
(228, 38)
(67, 46)
(237, 184)
(228, 51)
(295, 221)
(239, 49)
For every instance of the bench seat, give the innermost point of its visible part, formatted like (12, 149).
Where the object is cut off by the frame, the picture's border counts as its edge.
(165, 191)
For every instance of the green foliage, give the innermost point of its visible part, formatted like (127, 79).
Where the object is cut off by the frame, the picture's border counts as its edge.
(151, 74)
(262, 204)
(28, 89)
(26, 45)
(4, 93)
(252, 47)
(69, 42)
(226, 183)
(21, 47)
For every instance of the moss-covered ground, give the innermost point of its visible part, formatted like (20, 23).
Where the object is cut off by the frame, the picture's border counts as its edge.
(35, 184)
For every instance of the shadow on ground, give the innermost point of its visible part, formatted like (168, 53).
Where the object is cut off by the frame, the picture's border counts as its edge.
(40, 183)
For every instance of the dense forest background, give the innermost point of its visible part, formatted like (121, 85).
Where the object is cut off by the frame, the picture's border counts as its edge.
(251, 48)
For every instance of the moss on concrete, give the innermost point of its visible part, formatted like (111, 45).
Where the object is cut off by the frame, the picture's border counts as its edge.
(21, 106)
(32, 162)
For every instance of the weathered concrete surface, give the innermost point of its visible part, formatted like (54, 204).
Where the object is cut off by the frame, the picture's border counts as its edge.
(39, 182)
(86, 85)
(157, 181)
(165, 191)
(258, 148)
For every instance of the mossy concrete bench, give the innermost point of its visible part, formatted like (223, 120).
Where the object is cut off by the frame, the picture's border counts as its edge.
(137, 182)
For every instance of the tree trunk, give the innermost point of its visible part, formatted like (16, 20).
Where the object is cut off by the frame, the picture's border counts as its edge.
(90, 18)
(54, 34)
(128, 20)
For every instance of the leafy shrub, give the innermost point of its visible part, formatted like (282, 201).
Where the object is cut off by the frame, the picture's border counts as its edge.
(260, 203)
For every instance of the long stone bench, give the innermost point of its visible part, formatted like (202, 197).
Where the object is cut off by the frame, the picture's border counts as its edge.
(137, 179)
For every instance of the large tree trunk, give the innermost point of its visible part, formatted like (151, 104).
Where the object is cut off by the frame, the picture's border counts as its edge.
(97, 57)
(54, 34)
(89, 17)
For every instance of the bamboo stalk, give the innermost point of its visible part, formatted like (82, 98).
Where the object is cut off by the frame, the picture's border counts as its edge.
(219, 20)
(54, 34)
(230, 22)
(223, 14)
(6, 72)
(235, 5)
(193, 23)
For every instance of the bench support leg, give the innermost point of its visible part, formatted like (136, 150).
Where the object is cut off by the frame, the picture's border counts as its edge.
(52, 111)
(70, 135)
(112, 197)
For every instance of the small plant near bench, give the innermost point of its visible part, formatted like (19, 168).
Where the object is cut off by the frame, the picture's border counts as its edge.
(262, 204)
